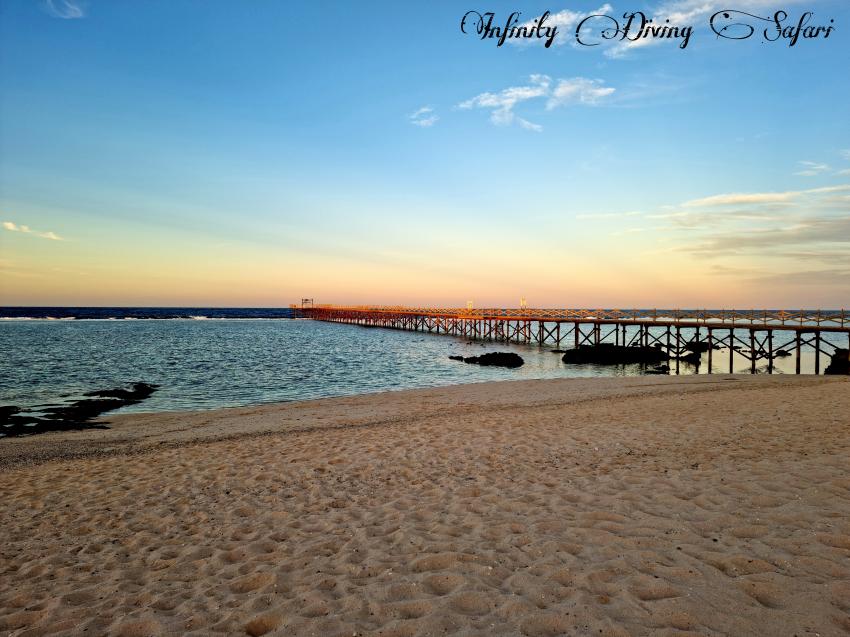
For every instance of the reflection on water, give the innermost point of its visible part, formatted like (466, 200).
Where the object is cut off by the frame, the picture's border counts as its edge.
(206, 364)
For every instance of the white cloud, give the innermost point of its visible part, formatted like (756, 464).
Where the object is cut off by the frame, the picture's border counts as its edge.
(524, 123)
(798, 222)
(423, 117)
(64, 9)
(502, 103)
(566, 22)
(735, 199)
(577, 90)
(12, 227)
(811, 169)
(827, 230)
(694, 13)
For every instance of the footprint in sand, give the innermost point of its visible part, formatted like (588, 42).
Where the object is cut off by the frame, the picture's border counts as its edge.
(251, 582)
(443, 584)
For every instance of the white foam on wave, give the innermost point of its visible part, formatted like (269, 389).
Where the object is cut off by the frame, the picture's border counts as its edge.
(38, 318)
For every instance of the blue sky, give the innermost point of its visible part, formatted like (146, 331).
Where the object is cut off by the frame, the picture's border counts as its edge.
(189, 152)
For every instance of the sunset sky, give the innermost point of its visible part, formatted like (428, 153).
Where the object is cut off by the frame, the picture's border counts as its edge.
(220, 153)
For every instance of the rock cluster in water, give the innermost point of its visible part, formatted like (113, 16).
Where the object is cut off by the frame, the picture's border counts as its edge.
(15, 421)
(609, 354)
(495, 359)
(840, 363)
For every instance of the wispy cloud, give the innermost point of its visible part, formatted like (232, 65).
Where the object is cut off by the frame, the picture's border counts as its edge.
(735, 199)
(826, 256)
(565, 20)
(797, 222)
(13, 227)
(577, 90)
(812, 169)
(845, 154)
(502, 104)
(831, 277)
(424, 117)
(64, 9)
(823, 230)
(684, 13)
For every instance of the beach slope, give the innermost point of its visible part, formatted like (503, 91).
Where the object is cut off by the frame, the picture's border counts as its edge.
(633, 506)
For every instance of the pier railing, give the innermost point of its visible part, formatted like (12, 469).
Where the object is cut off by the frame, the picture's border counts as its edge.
(744, 318)
(757, 335)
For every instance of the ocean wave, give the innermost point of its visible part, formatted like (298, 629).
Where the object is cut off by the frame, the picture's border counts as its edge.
(142, 313)
(38, 318)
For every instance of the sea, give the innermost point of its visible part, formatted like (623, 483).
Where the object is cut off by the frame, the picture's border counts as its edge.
(205, 358)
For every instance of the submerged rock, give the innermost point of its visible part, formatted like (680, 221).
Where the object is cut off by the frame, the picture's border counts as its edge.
(698, 347)
(661, 369)
(608, 354)
(840, 363)
(76, 415)
(691, 357)
(456, 358)
(138, 392)
(496, 359)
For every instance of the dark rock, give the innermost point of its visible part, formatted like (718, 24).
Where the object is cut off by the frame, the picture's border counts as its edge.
(76, 415)
(496, 359)
(691, 357)
(840, 363)
(697, 347)
(660, 369)
(8, 410)
(608, 354)
(138, 392)
(781, 353)
(456, 358)
(558, 351)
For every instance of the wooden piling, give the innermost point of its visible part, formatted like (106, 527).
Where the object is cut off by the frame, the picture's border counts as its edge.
(817, 352)
(710, 349)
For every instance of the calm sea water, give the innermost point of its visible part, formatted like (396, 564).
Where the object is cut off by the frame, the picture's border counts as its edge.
(228, 361)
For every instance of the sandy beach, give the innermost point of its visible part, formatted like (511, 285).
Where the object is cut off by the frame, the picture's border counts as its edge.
(618, 506)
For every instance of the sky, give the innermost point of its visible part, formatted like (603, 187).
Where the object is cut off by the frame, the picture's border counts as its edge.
(220, 153)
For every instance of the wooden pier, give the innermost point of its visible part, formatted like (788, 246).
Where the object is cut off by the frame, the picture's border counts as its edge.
(757, 335)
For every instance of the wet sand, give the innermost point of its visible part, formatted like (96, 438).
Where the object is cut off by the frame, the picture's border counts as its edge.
(631, 506)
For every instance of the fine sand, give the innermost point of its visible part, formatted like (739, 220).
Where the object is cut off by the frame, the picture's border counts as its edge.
(631, 506)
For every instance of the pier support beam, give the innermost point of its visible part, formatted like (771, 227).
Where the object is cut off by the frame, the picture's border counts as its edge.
(710, 348)
(797, 364)
(752, 351)
(817, 352)
(732, 351)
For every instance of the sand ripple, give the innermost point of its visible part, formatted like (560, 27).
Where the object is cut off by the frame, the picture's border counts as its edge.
(552, 508)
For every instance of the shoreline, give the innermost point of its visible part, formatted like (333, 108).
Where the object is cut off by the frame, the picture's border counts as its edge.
(689, 505)
(142, 431)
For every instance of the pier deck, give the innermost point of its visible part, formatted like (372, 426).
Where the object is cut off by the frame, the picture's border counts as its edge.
(757, 335)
